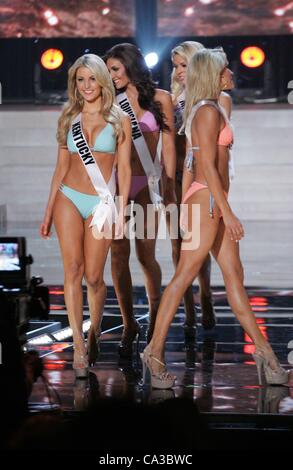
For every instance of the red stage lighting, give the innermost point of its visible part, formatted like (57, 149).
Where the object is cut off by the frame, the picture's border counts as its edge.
(252, 57)
(52, 59)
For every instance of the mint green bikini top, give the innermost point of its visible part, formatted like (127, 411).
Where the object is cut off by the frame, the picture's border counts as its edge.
(105, 141)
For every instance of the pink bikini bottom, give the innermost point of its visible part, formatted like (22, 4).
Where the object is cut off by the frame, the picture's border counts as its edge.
(195, 186)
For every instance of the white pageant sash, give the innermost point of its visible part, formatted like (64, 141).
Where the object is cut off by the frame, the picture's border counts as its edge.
(181, 102)
(106, 208)
(151, 168)
(179, 111)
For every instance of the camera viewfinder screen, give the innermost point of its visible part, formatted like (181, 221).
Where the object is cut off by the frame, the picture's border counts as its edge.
(9, 259)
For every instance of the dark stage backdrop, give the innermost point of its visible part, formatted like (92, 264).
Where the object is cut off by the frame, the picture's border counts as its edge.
(66, 18)
(224, 17)
(96, 25)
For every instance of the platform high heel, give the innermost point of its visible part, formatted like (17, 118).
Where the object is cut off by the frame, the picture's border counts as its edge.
(125, 348)
(80, 365)
(278, 376)
(161, 380)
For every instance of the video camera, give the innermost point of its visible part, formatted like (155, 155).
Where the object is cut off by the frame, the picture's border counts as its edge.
(21, 296)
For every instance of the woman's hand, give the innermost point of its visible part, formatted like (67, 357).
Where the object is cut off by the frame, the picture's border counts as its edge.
(183, 218)
(233, 226)
(45, 227)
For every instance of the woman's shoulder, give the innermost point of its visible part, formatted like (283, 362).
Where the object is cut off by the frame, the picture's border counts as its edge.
(204, 110)
(163, 95)
(225, 100)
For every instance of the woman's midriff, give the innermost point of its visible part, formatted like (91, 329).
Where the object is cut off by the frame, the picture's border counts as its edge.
(152, 139)
(222, 161)
(77, 177)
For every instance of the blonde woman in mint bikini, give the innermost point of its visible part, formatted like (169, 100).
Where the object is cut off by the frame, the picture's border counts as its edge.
(94, 138)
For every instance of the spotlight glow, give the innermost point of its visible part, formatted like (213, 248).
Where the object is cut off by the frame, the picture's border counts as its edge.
(279, 12)
(252, 57)
(105, 11)
(151, 59)
(48, 14)
(189, 11)
(52, 59)
(53, 20)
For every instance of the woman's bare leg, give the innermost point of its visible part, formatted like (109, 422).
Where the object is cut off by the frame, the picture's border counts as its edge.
(188, 267)
(70, 231)
(95, 255)
(226, 253)
(120, 254)
(204, 279)
(208, 318)
(145, 251)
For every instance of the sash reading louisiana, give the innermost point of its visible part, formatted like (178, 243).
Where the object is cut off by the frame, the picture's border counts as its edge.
(125, 106)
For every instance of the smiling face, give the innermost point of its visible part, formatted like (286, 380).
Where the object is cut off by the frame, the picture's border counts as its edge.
(227, 82)
(118, 73)
(180, 67)
(87, 85)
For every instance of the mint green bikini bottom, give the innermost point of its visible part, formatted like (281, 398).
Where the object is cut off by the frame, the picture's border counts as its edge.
(84, 203)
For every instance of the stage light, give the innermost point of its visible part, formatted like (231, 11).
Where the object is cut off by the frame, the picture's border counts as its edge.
(48, 14)
(252, 57)
(189, 11)
(105, 11)
(279, 12)
(53, 20)
(206, 2)
(151, 59)
(43, 339)
(52, 59)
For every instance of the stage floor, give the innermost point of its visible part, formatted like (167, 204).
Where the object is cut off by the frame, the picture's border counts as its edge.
(216, 370)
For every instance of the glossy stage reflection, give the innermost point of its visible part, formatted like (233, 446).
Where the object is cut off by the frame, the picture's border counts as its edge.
(216, 370)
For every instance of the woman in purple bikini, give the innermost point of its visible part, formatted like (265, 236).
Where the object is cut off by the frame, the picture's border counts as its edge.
(151, 113)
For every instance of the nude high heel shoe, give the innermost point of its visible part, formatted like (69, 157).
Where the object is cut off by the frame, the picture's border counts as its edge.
(80, 365)
(278, 376)
(161, 380)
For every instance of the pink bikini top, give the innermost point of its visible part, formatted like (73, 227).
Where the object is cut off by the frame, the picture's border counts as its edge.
(226, 135)
(148, 122)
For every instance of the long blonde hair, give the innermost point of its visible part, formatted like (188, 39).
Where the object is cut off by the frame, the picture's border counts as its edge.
(110, 111)
(203, 78)
(185, 50)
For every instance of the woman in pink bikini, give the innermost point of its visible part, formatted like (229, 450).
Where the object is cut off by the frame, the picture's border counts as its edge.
(181, 56)
(151, 113)
(208, 135)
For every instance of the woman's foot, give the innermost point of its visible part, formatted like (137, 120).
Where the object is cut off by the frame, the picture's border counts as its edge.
(160, 377)
(80, 363)
(267, 363)
(129, 335)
